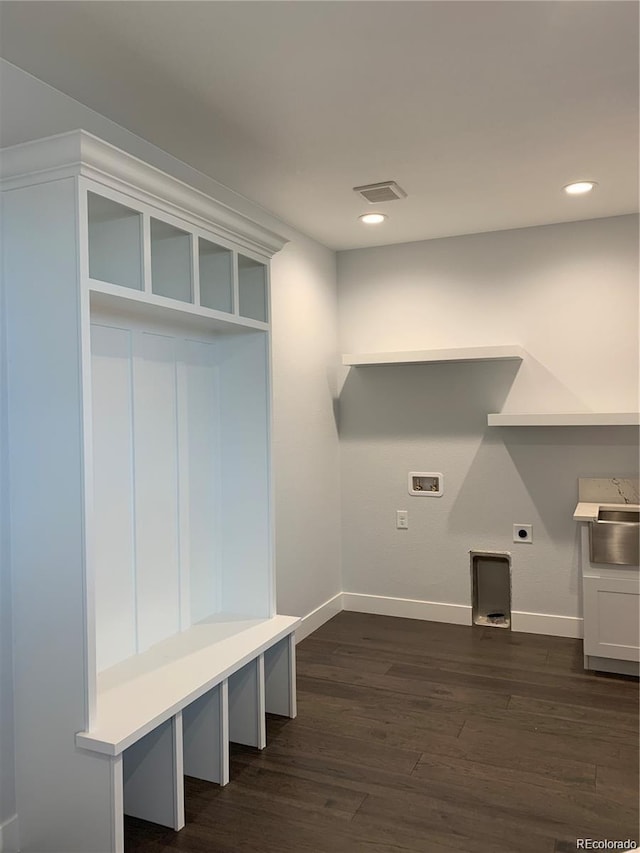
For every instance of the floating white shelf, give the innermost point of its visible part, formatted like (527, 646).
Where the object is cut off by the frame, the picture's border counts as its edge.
(496, 353)
(564, 419)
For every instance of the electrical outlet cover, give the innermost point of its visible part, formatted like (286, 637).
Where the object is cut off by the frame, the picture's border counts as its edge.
(523, 533)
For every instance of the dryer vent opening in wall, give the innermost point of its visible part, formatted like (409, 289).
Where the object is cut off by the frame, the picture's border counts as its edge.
(491, 589)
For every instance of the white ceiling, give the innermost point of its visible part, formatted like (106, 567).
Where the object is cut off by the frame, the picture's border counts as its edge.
(481, 111)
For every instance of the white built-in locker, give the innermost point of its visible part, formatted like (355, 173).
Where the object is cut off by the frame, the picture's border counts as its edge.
(141, 498)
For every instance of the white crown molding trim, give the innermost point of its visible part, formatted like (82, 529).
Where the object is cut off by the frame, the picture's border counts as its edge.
(408, 608)
(316, 619)
(546, 623)
(9, 835)
(80, 153)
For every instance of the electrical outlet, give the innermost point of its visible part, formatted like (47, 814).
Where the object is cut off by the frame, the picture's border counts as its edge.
(402, 519)
(523, 533)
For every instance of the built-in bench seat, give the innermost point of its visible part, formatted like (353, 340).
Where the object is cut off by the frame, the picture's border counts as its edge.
(173, 709)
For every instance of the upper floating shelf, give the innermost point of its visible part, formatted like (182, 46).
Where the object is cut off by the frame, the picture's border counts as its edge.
(497, 353)
(564, 419)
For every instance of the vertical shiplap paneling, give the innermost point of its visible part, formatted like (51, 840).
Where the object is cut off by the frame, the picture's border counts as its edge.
(199, 451)
(184, 503)
(113, 495)
(244, 508)
(156, 487)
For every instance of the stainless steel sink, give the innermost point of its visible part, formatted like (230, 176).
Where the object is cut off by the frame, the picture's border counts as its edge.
(614, 537)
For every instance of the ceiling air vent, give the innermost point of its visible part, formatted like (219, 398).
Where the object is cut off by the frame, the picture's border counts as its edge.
(385, 191)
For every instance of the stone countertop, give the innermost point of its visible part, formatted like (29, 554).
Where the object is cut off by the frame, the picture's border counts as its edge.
(589, 511)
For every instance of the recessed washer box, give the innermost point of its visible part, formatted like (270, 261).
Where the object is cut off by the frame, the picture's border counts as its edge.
(426, 483)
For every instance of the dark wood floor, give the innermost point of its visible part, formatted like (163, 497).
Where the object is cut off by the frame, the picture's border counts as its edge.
(418, 736)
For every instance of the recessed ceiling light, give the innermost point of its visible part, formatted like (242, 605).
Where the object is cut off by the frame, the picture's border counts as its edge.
(579, 187)
(372, 218)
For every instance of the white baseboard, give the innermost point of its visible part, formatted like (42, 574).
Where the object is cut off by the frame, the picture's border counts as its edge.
(9, 835)
(408, 608)
(314, 620)
(433, 611)
(546, 623)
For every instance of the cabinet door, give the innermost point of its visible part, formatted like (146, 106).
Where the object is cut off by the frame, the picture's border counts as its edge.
(611, 617)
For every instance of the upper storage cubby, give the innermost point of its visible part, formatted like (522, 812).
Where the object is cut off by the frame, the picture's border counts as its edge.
(171, 273)
(155, 241)
(252, 286)
(173, 264)
(115, 242)
(216, 276)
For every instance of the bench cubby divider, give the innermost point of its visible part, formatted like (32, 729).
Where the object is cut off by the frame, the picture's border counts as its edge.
(280, 677)
(152, 770)
(206, 736)
(246, 705)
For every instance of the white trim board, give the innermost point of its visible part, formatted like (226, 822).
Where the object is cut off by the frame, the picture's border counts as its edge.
(551, 625)
(9, 835)
(407, 608)
(316, 619)
(546, 623)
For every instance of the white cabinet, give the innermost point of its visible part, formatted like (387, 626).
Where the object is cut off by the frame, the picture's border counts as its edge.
(611, 611)
(140, 489)
(612, 617)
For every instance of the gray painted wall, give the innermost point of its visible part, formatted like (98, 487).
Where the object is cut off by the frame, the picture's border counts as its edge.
(306, 456)
(569, 295)
(7, 793)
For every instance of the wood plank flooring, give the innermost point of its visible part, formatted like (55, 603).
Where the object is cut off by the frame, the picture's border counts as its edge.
(419, 736)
